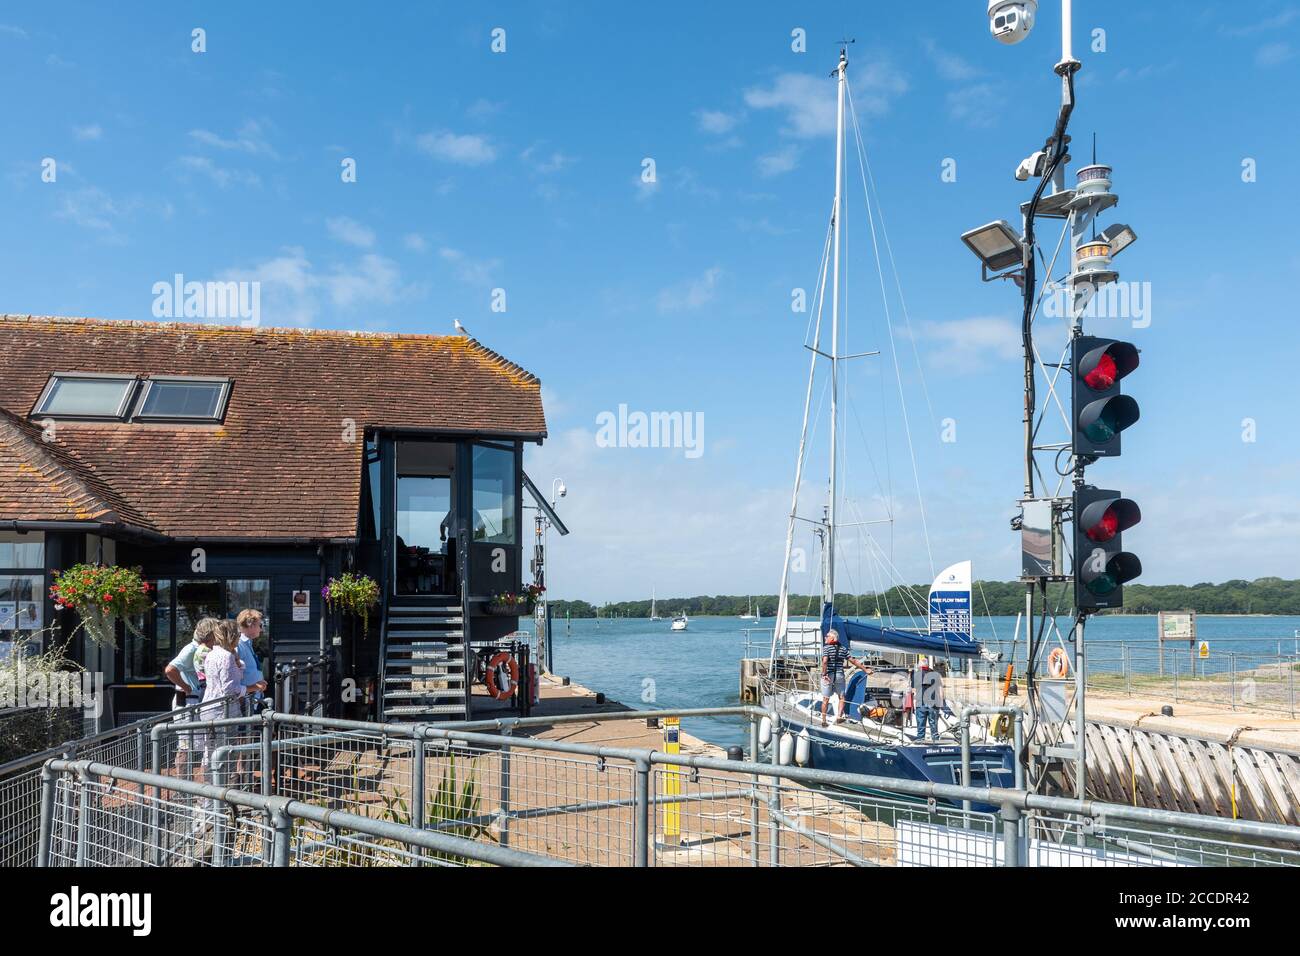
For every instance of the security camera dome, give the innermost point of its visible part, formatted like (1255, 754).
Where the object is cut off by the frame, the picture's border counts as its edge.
(1011, 20)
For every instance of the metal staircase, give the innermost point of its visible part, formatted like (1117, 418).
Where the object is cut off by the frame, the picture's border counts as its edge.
(424, 661)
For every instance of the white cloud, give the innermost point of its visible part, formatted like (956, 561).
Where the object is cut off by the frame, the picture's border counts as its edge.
(971, 343)
(293, 291)
(546, 164)
(949, 65)
(808, 101)
(467, 149)
(1274, 54)
(220, 175)
(249, 139)
(974, 104)
(415, 242)
(781, 161)
(90, 208)
(13, 31)
(478, 272)
(482, 109)
(692, 294)
(90, 132)
(716, 121)
(350, 231)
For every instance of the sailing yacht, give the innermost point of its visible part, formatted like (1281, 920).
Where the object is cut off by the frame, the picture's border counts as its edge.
(749, 611)
(654, 612)
(867, 728)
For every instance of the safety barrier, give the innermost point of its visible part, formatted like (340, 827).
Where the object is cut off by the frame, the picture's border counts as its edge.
(485, 785)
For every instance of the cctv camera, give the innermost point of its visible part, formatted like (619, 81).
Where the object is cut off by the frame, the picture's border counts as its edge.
(563, 490)
(1032, 165)
(1011, 20)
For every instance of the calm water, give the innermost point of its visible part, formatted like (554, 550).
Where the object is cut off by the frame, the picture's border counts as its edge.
(642, 664)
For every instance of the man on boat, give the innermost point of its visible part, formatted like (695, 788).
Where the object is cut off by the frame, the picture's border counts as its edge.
(929, 699)
(834, 656)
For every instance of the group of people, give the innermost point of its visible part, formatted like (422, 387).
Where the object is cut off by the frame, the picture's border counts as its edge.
(924, 696)
(218, 670)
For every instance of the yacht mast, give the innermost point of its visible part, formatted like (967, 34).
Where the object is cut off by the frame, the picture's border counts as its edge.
(828, 578)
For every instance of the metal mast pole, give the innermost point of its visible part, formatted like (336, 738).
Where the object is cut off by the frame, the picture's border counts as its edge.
(829, 585)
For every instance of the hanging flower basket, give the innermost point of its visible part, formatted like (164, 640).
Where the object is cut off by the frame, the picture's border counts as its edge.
(353, 594)
(515, 605)
(102, 596)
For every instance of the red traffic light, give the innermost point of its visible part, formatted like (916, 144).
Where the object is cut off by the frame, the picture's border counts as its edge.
(1102, 367)
(1104, 519)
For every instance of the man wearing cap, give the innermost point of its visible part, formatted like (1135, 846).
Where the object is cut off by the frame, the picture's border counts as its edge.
(834, 656)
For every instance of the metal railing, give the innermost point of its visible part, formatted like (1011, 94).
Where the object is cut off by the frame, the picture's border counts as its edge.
(20, 779)
(302, 687)
(485, 785)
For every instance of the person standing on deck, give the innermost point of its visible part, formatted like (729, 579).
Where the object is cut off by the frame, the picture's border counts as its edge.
(929, 700)
(834, 656)
(250, 629)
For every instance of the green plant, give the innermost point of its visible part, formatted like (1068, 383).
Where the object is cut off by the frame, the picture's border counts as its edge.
(353, 594)
(101, 595)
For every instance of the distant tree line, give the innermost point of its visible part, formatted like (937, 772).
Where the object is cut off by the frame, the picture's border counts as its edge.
(1261, 596)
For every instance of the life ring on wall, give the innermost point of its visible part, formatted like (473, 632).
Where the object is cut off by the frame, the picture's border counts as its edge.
(497, 688)
(1058, 662)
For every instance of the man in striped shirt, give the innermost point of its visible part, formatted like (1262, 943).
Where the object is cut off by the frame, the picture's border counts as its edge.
(834, 656)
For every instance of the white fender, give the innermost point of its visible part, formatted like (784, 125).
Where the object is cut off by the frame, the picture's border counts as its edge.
(803, 748)
(786, 749)
(765, 731)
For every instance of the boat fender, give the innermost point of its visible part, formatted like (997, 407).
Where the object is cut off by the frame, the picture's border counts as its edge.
(502, 675)
(765, 731)
(803, 748)
(785, 750)
(1058, 662)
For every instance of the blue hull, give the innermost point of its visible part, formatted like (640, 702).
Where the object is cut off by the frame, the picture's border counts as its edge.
(849, 752)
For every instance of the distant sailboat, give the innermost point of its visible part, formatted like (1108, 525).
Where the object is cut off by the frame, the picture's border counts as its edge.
(749, 611)
(654, 613)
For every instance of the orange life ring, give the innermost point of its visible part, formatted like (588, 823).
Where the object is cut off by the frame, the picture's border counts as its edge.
(499, 660)
(1058, 662)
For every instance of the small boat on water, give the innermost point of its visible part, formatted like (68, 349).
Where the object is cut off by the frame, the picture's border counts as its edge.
(680, 622)
(872, 725)
(749, 611)
(654, 607)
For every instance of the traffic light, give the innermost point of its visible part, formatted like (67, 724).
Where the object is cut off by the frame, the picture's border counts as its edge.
(1101, 566)
(1100, 411)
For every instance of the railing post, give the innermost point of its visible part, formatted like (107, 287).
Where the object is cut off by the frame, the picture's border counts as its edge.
(139, 748)
(1011, 839)
(418, 809)
(83, 813)
(753, 792)
(283, 828)
(965, 756)
(270, 776)
(505, 787)
(46, 838)
(774, 800)
(1232, 658)
(641, 815)
(219, 823)
(155, 808)
(1018, 741)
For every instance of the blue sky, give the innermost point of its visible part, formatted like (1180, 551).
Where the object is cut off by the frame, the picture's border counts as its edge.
(522, 171)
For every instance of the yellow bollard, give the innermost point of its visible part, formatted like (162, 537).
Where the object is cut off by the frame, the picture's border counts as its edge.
(672, 782)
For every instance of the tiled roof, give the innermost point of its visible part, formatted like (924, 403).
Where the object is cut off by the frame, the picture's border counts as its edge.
(42, 481)
(286, 462)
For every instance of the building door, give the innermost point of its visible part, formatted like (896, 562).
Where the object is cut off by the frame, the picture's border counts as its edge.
(424, 529)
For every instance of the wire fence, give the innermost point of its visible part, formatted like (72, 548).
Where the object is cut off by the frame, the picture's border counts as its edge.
(362, 794)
